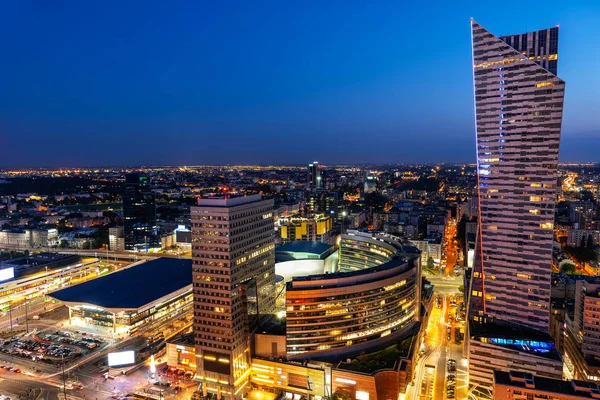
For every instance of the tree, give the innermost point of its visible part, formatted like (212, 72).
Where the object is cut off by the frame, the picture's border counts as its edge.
(567, 267)
(430, 264)
(86, 245)
(461, 288)
(64, 244)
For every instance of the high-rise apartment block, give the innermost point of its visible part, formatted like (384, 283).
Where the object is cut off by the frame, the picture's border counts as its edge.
(139, 214)
(232, 250)
(315, 176)
(518, 112)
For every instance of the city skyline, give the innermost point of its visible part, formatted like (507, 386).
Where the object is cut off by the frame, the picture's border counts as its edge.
(105, 96)
(266, 201)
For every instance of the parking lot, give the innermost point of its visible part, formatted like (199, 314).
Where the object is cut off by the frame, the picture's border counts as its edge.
(51, 347)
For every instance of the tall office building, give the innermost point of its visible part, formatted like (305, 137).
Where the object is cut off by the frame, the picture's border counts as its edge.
(315, 177)
(518, 112)
(232, 245)
(139, 214)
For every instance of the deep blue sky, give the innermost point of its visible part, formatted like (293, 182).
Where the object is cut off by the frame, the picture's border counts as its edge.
(87, 83)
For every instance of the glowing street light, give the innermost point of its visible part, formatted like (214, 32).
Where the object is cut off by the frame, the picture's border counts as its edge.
(152, 365)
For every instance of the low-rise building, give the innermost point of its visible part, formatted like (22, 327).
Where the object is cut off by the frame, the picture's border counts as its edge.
(515, 385)
(116, 240)
(181, 352)
(28, 238)
(577, 237)
(315, 229)
(494, 346)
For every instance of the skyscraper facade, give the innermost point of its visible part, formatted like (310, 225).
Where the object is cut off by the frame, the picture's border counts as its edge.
(139, 214)
(315, 177)
(518, 108)
(518, 112)
(232, 245)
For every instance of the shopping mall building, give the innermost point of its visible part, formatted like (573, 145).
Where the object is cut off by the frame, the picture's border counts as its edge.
(132, 299)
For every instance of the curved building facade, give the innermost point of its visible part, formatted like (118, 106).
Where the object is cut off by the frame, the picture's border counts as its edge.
(360, 250)
(346, 313)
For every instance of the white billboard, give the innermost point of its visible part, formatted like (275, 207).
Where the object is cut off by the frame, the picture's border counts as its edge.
(6, 274)
(121, 358)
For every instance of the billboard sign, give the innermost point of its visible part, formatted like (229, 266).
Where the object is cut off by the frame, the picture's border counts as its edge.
(121, 358)
(7, 273)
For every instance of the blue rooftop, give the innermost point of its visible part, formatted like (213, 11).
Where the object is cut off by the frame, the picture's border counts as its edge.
(304, 246)
(133, 287)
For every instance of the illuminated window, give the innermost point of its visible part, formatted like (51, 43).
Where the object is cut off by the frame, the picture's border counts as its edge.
(362, 395)
(535, 198)
(543, 84)
(534, 211)
(547, 225)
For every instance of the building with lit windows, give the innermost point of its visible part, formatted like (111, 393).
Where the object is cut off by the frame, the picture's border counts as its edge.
(181, 353)
(139, 214)
(577, 237)
(516, 385)
(135, 299)
(430, 248)
(581, 332)
(359, 250)
(233, 251)
(315, 177)
(317, 228)
(324, 202)
(337, 315)
(518, 112)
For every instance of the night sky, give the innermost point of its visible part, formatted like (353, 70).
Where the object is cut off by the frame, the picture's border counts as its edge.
(106, 83)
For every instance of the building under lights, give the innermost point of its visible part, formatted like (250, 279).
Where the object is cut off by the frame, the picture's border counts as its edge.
(233, 250)
(133, 299)
(317, 228)
(31, 277)
(359, 250)
(523, 385)
(518, 112)
(315, 176)
(350, 312)
(333, 316)
(139, 214)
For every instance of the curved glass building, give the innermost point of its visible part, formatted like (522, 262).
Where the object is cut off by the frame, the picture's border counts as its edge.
(372, 301)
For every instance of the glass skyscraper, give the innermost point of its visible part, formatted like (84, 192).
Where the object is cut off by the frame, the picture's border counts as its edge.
(139, 214)
(518, 112)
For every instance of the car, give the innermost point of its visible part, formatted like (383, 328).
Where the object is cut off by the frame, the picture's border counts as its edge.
(17, 370)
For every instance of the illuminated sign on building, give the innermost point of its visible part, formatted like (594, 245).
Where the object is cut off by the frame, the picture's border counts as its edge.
(121, 358)
(6, 274)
